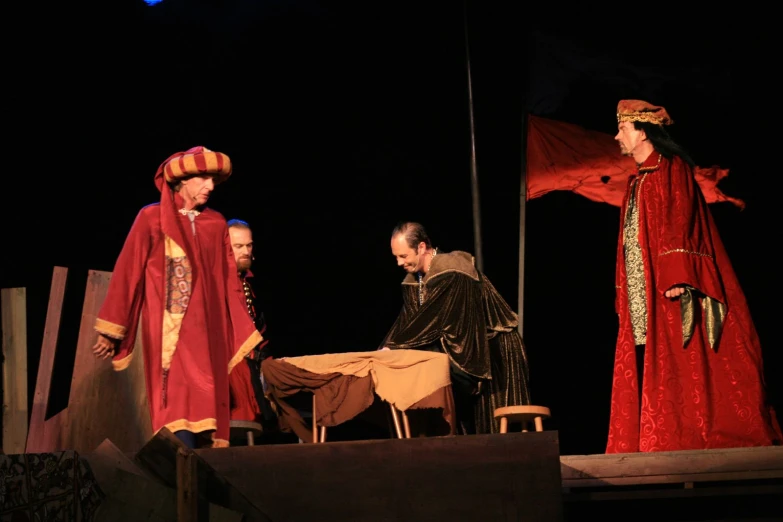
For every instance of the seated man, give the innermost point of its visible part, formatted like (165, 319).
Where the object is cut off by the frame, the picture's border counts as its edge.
(449, 306)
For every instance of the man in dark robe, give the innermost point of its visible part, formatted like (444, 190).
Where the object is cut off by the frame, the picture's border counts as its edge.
(451, 307)
(248, 401)
(688, 370)
(177, 272)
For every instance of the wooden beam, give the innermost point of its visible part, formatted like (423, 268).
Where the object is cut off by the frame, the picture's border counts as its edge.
(13, 303)
(187, 486)
(159, 458)
(104, 403)
(672, 467)
(767, 490)
(36, 438)
(131, 495)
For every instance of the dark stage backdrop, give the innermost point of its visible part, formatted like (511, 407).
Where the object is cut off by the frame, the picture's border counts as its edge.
(343, 118)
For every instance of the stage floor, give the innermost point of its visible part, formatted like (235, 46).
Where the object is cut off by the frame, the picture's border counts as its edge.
(509, 477)
(721, 484)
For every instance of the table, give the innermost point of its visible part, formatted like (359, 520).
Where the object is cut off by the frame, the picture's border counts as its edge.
(344, 385)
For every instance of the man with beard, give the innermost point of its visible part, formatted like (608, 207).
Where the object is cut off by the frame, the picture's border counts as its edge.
(688, 370)
(247, 390)
(451, 307)
(175, 271)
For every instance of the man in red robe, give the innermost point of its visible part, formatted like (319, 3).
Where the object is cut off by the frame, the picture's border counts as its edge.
(177, 272)
(686, 338)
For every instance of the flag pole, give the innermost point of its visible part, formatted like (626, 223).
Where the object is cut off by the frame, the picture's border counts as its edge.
(523, 189)
(473, 169)
(522, 225)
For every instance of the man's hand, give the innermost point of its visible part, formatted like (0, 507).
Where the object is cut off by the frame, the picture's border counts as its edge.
(104, 348)
(675, 291)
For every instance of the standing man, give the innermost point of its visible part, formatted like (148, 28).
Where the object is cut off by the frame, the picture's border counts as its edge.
(688, 372)
(247, 394)
(176, 272)
(451, 307)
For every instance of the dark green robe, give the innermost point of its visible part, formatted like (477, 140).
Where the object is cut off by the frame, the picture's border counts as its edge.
(463, 316)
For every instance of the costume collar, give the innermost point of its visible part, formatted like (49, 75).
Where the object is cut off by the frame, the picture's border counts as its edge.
(652, 163)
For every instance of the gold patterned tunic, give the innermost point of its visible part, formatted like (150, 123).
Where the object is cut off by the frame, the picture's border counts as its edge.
(634, 266)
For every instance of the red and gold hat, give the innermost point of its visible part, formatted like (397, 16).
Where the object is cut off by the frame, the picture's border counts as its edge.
(638, 110)
(196, 161)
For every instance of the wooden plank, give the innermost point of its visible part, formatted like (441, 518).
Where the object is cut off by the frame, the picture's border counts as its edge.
(37, 435)
(669, 493)
(508, 477)
(133, 498)
(159, 457)
(104, 403)
(187, 486)
(106, 459)
(673, 478)
(672, 466)
(13, 303)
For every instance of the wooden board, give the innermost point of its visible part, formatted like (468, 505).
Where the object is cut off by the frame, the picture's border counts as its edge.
(508, 477)
(672, 467)
(102, 403)
(44, 436)
(13, 304)
(158, 457)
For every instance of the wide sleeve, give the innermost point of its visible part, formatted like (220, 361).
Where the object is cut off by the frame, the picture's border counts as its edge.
(403, 318)
(244, 334)
(452, 314)
(118, 317)
(686, 254)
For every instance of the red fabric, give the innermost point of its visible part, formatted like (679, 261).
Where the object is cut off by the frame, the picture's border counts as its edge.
(216, 323)
(693, 397)
(564, 156)
(244, 405)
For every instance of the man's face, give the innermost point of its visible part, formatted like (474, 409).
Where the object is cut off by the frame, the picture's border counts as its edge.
(242, 245)
(198, 189)
(408, 258)
(629, 137)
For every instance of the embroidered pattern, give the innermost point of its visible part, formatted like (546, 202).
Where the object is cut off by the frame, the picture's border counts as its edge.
(634, 266)
(180, 277)
(683, 251)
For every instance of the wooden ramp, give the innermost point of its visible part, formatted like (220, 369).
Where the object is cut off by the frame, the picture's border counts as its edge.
(152, 486)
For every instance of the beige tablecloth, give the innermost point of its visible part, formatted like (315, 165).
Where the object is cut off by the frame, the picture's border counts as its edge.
(345, 384)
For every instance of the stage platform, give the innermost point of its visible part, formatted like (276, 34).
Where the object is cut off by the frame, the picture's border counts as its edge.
(738, 484)
(509, 477)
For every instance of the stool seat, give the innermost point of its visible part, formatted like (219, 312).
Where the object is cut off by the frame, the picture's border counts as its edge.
(249, 428)
(523, 414)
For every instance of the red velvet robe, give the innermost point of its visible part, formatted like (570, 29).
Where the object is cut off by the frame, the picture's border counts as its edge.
(216, 331)
(244, 403)
(693, 396)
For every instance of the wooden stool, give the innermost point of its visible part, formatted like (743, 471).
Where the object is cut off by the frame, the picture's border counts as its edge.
(249, 428)
(523, 414)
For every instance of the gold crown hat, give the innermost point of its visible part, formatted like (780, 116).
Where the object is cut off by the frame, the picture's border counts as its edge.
(639, 110)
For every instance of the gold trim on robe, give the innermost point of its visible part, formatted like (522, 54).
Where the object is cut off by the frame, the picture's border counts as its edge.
(254, 340)
(109, 329)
